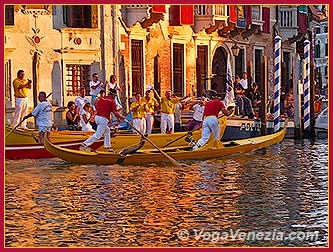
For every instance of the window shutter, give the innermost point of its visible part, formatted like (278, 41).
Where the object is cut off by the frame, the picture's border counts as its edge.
(266, 18)
(174, 18)
(248, 11)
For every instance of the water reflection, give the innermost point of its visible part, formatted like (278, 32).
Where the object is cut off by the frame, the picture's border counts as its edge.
(282, 188)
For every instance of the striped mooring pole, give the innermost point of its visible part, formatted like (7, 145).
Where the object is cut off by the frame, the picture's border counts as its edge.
(307, 85)
(277, 82)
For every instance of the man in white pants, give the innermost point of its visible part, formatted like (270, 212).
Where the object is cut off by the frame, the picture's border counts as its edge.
(43, 114)
(139, 109)
(152, 107)
(211, 123)
(105, 106)
(167, 112)
(21, 87)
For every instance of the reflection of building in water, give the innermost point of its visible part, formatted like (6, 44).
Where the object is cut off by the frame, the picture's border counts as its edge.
(23, 205)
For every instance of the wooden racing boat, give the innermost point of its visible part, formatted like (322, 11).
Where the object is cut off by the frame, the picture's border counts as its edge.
(24, 144)
(213, 149)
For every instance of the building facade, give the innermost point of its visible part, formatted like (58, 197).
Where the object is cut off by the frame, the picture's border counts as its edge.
(321, 53)
(184, 48)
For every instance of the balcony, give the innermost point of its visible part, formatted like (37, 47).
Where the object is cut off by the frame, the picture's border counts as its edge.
(209, 17)
(132, 14)
(287, 17)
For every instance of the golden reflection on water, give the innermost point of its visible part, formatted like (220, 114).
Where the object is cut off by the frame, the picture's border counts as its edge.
(52, 203)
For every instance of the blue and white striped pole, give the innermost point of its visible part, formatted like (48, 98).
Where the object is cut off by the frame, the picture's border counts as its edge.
(277, 82)
(307, 85)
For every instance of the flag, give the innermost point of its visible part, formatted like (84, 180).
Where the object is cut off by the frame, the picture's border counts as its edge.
(302, 19)
(232, 14)
(158, 9)
(181, 15)
(229, 97)
(187, 14)
(241, 17)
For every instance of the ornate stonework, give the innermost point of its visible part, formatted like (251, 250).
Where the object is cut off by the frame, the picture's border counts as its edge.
(36, 12)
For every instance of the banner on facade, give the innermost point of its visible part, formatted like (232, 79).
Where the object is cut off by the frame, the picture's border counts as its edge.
(181, 15)
(302, 19)
(187, 14)
(241, 17)
(159, 9)
(232, 14)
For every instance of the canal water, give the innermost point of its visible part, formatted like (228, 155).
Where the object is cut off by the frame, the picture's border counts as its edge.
(277, 196)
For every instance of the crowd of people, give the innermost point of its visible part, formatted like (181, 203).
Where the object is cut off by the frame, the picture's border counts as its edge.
(247, 97)
(95, 113)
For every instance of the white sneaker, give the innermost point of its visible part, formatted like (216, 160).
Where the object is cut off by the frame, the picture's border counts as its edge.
(195, 147)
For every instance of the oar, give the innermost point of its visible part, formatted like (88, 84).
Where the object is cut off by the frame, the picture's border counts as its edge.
(174, 162)
(188, 133)
(48, 95)
(178, 138)
(10, 132)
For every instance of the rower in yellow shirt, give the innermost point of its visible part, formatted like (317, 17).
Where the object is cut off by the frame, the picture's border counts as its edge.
(139, 109)
(167, 112)
(152, 105)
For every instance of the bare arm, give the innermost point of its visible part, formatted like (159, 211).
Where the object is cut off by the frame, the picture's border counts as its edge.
(227, 112)
(27, 116)
(28, 85)
(71, 117)
(119, 116)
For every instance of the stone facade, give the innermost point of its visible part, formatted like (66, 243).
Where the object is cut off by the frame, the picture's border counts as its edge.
(109, 42)
(321, 60)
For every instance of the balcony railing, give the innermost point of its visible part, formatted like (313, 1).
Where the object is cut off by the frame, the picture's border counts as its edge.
(135, 13)
(220, 10)
(206, 16)
(202, 10)
(137, 6)
(210, 10)
(287, 19)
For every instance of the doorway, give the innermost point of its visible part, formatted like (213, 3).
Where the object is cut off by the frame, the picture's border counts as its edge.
(219, 70)
(201, 68)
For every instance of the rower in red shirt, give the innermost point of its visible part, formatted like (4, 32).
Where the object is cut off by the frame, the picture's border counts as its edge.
(105, 106)
(211, 123)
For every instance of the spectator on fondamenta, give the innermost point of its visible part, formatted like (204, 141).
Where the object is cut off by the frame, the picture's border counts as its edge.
(21, 87)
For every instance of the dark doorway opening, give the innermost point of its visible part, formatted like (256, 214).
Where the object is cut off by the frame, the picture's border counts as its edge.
(201, 68)
(219, 70)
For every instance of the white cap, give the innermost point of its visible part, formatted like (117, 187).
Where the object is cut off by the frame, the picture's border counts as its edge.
(149, 87)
